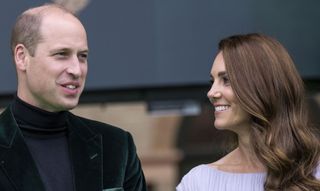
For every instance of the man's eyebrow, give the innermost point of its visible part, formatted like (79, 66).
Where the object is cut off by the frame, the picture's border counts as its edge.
(59, 49)
(67, 50)
(84, 51)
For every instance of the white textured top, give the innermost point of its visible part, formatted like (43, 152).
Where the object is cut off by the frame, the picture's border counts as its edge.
(204, 178)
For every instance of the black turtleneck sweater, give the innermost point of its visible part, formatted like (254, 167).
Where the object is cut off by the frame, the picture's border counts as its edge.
(45, 134)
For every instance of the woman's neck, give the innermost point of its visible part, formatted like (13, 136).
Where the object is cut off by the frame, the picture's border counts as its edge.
(243, 159)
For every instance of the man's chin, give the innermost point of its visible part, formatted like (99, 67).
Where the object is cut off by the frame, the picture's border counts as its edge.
(68, 105)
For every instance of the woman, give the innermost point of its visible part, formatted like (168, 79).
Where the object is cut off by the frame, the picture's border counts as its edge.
(258, 94)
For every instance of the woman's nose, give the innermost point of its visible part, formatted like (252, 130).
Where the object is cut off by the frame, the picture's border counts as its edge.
(214, 92)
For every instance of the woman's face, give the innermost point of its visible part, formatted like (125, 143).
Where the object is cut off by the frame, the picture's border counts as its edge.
(227, 111)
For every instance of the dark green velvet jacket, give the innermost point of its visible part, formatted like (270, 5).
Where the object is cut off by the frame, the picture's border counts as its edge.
(103, 157)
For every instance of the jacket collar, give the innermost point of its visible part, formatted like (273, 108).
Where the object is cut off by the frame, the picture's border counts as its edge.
(85, 151)
(86, 155)
(16, 160)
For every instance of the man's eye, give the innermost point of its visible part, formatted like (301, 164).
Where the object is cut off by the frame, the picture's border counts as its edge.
(83, 57)
(61, 54)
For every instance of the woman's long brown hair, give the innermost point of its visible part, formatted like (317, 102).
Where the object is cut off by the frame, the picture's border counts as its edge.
(268, 86)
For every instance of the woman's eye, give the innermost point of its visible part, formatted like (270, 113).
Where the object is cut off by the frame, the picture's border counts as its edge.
(226, 80)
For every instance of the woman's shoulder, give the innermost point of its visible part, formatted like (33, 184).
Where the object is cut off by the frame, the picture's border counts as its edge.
(204, 177)
(200, 170)
(317, 173)
(196, 179)
(197, 173)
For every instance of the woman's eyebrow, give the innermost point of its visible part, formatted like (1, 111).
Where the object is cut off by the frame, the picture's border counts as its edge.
(223, 73)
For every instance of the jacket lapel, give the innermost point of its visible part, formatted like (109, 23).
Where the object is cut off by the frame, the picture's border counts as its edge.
(16, 160)
(86, 155)
(17, 164)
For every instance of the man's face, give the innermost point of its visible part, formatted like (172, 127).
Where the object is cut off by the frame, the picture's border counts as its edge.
(55, 76)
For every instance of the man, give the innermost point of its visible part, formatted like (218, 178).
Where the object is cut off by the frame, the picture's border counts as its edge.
(43, 147)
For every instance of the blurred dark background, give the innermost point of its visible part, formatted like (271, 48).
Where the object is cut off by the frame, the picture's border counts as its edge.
(152, 49)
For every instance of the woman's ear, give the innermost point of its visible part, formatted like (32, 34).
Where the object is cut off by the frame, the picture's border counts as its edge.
(21, 57)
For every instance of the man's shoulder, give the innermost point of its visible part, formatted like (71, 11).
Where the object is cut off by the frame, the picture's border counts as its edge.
(114, 138)
(97, 126)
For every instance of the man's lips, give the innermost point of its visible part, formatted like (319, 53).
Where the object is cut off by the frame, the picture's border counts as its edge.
(71, 85)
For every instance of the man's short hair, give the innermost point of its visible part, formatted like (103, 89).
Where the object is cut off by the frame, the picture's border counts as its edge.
(26, 30)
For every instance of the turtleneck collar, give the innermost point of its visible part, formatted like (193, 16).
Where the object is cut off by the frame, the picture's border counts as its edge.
(31, 116)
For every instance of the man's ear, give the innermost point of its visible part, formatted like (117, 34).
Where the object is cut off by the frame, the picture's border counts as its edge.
(21, 57)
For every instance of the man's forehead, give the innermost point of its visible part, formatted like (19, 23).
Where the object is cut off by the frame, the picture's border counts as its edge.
(49, 11)
(53, 21)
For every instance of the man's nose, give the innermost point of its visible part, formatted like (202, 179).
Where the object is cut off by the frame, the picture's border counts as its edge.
(74, 67)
